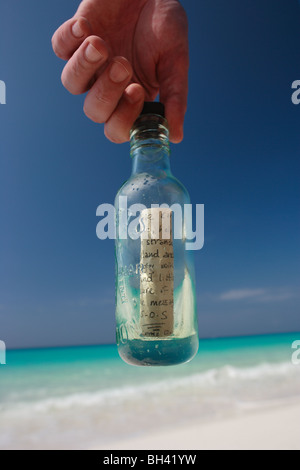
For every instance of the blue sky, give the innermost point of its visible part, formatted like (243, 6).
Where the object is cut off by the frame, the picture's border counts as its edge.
(239, 157)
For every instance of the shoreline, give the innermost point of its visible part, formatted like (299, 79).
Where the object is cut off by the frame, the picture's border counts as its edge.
(274, 428)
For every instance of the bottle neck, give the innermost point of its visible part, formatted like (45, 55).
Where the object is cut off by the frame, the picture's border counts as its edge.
(149, 145)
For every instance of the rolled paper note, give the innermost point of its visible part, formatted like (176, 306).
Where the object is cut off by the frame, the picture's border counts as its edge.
(156, 273)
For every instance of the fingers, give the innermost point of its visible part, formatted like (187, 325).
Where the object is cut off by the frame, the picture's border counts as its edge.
(105, 94)
(130, 106)
(83, 65)
(173, 77)
(68, 37)
(172, 71)
(175, 111)
(110, 99)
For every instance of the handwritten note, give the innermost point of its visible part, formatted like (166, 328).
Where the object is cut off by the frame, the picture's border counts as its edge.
(157, 273)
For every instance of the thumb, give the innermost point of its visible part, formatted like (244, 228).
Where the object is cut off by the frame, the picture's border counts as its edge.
(172, 75)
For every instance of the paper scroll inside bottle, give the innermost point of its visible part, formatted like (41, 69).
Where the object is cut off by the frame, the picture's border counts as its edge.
(156, 273)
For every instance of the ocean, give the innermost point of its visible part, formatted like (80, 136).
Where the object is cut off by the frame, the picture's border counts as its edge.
(85, 397)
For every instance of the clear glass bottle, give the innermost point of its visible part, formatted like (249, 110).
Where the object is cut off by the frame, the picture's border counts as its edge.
(156, 312)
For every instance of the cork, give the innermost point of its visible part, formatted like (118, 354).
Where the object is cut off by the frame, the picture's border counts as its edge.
(156, 273)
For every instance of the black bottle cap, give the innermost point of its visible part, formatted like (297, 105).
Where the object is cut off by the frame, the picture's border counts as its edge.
(153, 107)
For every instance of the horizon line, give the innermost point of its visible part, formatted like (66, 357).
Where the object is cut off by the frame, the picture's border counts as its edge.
(70, 346)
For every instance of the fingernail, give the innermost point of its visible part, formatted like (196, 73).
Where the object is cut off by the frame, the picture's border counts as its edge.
(77, 30)
(118, 73)
(92, 54)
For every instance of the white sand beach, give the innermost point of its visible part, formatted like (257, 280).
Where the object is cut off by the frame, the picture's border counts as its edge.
(237, 394)
(276, 428)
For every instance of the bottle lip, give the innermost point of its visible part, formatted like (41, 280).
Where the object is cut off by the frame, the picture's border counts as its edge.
(152, 126)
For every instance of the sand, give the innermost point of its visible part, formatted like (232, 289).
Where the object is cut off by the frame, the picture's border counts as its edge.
(276, 428)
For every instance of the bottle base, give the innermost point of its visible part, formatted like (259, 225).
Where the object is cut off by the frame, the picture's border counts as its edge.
(159, 352)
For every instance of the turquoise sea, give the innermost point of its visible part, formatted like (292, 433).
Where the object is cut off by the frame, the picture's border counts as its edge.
(82, 397)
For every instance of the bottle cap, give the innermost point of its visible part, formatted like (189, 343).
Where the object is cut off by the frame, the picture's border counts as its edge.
(153, 107)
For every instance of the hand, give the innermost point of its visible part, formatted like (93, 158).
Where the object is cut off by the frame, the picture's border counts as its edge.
(125, 52)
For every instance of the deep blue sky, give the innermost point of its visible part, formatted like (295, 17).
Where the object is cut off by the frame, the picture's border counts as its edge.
(240, 157)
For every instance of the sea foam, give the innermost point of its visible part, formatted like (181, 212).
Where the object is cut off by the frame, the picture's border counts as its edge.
(74, 419)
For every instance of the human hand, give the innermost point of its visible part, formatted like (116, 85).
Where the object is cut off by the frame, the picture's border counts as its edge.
(125, 52)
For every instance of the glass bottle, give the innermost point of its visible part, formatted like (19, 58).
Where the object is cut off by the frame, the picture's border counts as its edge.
(156, 312)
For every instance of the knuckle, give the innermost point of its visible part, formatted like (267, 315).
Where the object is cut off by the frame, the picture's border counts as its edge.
(101, 95)
(72, 76)
(56, 49)
(53, 43)
(78, 67)
(66, 80)
(113, 136)
(92, 113)
(58, 41)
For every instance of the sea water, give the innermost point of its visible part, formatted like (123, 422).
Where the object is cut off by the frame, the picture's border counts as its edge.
(83, 397)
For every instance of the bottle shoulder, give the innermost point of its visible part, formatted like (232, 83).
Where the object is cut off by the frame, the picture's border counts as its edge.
(154, 188)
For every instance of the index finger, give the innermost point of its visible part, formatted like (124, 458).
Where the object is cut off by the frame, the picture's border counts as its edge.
(68, 37)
